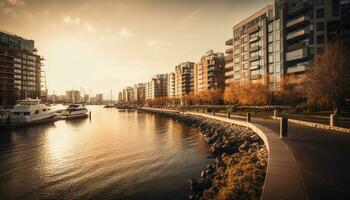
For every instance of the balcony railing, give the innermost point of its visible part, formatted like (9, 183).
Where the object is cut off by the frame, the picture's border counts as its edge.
(297, 69)
(254, 39)
(254, 29)
(229, 50)
(255, 76)
(297, 54)
(253, 58)
(228, 64)
(298, 20)
(298, 33)
(255, 48)
(229, 42)
(296, 46)
(302, 7)
(228, 58)
(255, 67)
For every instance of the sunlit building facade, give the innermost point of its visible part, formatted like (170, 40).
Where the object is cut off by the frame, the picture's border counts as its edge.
(209, 72)
(184, 79)
(20, 69)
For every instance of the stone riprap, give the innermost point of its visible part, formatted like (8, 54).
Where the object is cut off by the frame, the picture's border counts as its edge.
(241, 159)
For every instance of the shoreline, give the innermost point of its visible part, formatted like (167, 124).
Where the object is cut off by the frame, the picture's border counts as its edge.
(240, 159)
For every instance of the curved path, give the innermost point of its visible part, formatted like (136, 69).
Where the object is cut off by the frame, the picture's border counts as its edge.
(322, 157)
(311, 163)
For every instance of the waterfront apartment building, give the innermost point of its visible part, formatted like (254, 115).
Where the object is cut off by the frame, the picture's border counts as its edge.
(139, 92)
(99, 98)
(20, 69)
(184, 79)
(72, 96)
(284, 38)
(157, 87)
(209, 72)
(171, 85)
(247, 55)
(307, 26)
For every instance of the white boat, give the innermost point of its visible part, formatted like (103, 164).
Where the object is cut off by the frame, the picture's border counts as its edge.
(75, 111)
(30, 111)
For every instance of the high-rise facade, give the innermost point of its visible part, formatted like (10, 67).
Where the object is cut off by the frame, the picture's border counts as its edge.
(283, 39)
(171, 85)
(184, 79)
(73, 96)
(20, 69)
(247, 53)
(307, 26)
(157, 87)
(209, 72)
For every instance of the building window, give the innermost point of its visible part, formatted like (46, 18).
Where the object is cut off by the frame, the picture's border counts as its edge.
(270, 48)
(320, 13)
(277, 36)
(278, 67)
(245, 39)
(245, 66)
(320, 26)
(270, 27)
(245, 57)
(236, 51)
(278, 57)
(278, 47)
(271, 58)
(245, 48)
(270, 38)
(335, 7)
(277, 25)
(271, 68)
(320, 39)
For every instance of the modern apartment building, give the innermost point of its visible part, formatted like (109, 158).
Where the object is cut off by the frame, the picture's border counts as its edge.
(157, 87)
(72, 96)
(209, 72)
(247, 55)
(20, 69)
(171, 84)
(184, 79)
(307, 26)
(283, 39)
(139, 92)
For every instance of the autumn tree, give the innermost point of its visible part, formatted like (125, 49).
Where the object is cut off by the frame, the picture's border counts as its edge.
(291, 88)
(231, 94)
(329, 76)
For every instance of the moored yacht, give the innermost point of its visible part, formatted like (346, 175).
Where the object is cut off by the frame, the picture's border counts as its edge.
(75, 111)
(30, 111)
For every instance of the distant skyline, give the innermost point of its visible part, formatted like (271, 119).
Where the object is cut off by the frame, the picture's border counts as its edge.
(104, 45)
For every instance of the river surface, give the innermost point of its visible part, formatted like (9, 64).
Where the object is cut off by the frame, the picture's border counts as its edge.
(115, 155)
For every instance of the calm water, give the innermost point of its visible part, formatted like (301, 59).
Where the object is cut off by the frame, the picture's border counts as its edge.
(116, 155)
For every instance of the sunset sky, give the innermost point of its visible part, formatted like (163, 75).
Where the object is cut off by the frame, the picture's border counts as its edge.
(110, 44)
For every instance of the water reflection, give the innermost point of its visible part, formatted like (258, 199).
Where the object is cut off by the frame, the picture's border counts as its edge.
(118, 155)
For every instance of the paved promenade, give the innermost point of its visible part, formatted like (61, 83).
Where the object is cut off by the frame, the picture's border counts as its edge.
(322, 156)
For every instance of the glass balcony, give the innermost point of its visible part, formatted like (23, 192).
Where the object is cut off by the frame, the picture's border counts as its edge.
(298, 33)
(255, 48)
(253, 58)
(229, 42)
(297, 21)
(254, 39)
(229, 50)
(228, 58)
(297, 54)
(255, 76)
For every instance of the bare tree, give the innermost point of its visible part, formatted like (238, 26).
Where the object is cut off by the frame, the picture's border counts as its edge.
(329, 76)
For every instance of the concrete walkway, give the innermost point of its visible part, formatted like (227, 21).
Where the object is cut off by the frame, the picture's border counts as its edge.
(322, 156)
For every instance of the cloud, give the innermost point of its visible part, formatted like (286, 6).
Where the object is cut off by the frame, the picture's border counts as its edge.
(124, 32)
(89, 27)
(71, 20)
(16, 2)
(8, 12)
(158, 43)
